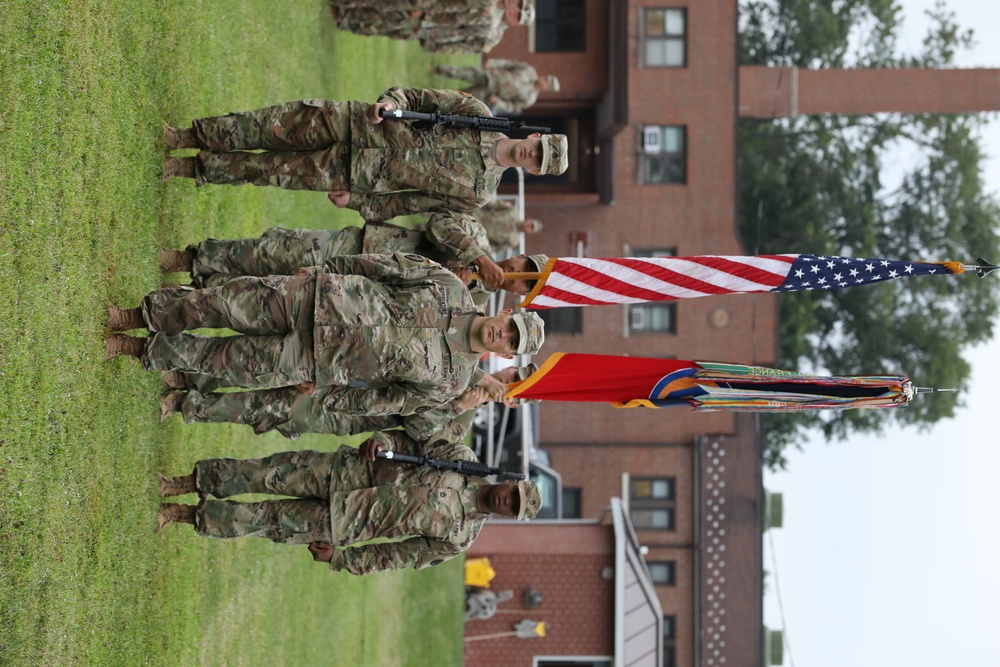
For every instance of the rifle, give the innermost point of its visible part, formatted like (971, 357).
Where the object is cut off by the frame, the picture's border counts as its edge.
(491, 123)
(462, 467)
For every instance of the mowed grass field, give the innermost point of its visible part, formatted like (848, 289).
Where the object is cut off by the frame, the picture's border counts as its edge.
(85, 87)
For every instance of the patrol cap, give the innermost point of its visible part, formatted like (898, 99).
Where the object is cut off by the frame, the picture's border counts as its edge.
(553, 83)
(527, 12)
(555, 155)
(534, 223)
(529, 500)
(538, 260)
(525, 372)
(531, 330)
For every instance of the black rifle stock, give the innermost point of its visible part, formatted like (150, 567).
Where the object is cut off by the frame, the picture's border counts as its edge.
(491, 123)
(464, 467)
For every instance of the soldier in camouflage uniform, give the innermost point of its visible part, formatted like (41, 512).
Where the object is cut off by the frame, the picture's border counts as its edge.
(293, 413)
(441, 26)
(348, 496)
(371, 334)
(507, 86)
(379, 168)
(479, 33)
(454, 240)
(503, 227)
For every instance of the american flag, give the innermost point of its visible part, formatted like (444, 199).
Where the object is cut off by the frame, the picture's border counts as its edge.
(583, 281)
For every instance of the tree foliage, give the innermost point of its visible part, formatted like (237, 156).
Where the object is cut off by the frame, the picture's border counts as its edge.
(833, 185)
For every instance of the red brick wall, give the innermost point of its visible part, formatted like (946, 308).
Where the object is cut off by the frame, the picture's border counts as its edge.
(772, 92)
(566, 568)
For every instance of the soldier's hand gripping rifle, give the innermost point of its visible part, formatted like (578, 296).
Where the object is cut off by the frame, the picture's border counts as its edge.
(463, 467)
(491, 123)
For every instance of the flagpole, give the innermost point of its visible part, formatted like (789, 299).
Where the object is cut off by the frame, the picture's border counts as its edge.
(982, 269)
(516, 275)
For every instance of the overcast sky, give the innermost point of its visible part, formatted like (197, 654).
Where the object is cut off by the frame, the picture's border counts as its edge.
(890, 550)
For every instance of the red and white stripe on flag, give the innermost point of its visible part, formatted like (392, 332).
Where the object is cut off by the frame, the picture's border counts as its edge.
(587, 281)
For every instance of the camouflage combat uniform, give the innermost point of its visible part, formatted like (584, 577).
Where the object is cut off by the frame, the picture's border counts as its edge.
(342, 499)
(457, 33)
(293, 413)
(511, 81)
(454, 240)
(390, 168)
(376, 334)
(501, 224)
(443, 26)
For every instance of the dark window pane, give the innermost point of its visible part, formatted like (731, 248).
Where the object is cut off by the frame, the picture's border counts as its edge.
(563, 320)
(572, 502)
(560, 25)
(663, 573)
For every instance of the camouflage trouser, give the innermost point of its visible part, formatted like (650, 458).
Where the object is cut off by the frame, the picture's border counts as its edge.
(480, 88)
(304, 475)
(307, 146)
(275, 312)
(288, 411)
(393, 23)
(277, 252)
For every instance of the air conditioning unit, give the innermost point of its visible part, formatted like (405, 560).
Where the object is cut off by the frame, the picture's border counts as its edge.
(652, 139)
(637, 319)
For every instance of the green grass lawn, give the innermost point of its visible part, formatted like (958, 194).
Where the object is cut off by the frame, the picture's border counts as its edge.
(85, 87)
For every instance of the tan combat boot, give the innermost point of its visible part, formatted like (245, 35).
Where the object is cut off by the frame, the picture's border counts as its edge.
(117, 344)
(174, 513)
(181, 167)
(171, 403)
(175, 138)
(124, 319)
(176, 261)
(173, 379)
(176, 486)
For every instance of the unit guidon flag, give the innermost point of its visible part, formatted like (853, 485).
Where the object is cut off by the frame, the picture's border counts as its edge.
(632, 382)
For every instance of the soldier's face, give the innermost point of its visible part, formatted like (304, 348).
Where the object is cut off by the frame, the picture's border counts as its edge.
(497, 334)
(518, 263)
(500, 499)
(527, 154)
(511, 11)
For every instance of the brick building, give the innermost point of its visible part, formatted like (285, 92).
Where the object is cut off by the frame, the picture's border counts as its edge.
(651, 94)
(651, 113)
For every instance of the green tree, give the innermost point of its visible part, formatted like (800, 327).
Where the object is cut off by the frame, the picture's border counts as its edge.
(817, 185)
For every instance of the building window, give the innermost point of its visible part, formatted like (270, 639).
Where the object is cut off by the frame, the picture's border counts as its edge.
(561, 25)
(669, 641)
(664, 572)
(652, 503)
(664, 154)
(652, 318)
(562, 320)
(665, 38)
(654, 252)
(572, 502)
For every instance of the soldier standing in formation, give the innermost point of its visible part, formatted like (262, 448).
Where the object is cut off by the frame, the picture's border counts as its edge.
(441, 26)
(503, 227)
(293, 413)
(371, 334)
(507, 86)
(348, 496)
(454, 240)
(381, 169)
